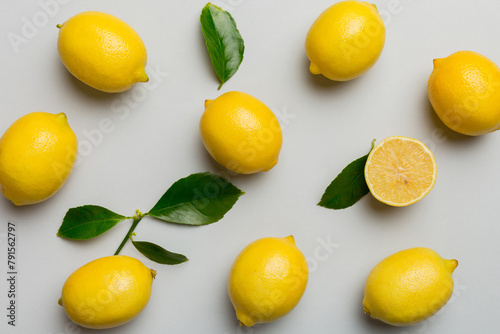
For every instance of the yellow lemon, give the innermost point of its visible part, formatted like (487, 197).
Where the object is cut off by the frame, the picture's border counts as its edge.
(267, 280)
(464, 90)
(400, 171)
(241, 133)
(107, 292)
(346, 40)
(409, 286)
(102, 51)
(37, 154)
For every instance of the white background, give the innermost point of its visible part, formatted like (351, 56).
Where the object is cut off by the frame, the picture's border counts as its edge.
(153, 141)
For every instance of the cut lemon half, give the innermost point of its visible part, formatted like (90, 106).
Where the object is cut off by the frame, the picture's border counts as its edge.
(400, 171)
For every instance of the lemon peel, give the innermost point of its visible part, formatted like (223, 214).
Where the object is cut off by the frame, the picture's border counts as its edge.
(267, 280)
(37, 154)
(408, 287)
(463, 91)
(241, 133)
(107, 292)
(102, 51)
(345, 41)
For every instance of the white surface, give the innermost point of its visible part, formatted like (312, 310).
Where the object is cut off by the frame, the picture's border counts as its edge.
(325, 125)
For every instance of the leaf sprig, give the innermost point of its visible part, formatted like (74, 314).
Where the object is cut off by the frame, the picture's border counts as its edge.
(348, 187)
(199, 199)
(224, 42)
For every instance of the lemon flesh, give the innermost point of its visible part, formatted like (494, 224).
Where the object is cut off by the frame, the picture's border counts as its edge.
(345, 41)
(267, 280)
(241, 133)
(37, 155)
(102, 51)
(107, 292)
(463, 90)
(400, 171)
(408, 286)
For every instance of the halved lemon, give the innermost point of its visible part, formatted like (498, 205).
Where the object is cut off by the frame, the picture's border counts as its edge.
(400, 171)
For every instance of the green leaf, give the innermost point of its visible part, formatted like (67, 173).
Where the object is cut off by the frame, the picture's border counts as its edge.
(158, 254)
(88, 221)
(224, 42)
(199, 199)
(348, 187)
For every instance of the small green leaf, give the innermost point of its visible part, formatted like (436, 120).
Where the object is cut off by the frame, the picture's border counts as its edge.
(348, 187)
(89, 221)
(158, 254)
(199, 199)
(224, 42)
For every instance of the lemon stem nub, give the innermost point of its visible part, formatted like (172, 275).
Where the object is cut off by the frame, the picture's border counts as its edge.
(142, 76)
(314, 69)
(436, 62)
(451, 265)
(208, 102)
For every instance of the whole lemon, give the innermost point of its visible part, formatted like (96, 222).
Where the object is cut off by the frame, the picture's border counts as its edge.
(408, 286)
(241, 133)
(346, 40)
(267, 280)
(37, 154)
(464, 90)
(102, 51)
(107, 292)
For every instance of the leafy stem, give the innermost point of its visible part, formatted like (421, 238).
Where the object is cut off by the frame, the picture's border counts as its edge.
(137, 217)
(199, 199)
